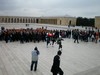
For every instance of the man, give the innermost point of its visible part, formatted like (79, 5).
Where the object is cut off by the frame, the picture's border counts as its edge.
(56, 64)
(35, 54)
(59, 42)
(76, 36)
(47, 40)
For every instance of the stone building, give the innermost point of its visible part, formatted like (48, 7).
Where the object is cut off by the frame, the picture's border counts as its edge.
(17, 19)
(58, 20)
(97, 21)
(42, 20)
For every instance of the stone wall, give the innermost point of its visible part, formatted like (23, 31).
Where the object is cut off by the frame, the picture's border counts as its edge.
(97, 21)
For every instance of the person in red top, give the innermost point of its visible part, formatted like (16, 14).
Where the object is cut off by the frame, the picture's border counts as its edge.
(50, 34)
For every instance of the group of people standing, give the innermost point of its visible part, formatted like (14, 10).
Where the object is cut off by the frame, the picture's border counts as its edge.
(85, 35)
(76, 35)
(40, 34)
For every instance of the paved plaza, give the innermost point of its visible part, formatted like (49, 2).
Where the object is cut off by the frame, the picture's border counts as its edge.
(76, 59)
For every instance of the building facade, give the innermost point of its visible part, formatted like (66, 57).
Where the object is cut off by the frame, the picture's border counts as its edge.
(16, 19)
(42, 20)
(58, 20)
(97, 21)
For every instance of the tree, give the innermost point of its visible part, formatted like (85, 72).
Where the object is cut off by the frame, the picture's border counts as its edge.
(85, 21)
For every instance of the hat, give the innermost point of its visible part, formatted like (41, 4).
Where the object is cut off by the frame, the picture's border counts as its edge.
(35, 48)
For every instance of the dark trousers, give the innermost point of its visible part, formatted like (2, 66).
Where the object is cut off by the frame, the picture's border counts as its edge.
(35, 67)
(60, 72)
(76, 40)
(60, 46)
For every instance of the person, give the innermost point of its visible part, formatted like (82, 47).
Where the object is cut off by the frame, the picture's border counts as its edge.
(55, 69)
(53, 41)
(47, 41)
(76, 36)
(35, 54)
(59, 43)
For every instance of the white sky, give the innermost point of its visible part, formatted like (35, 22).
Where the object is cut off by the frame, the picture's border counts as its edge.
(83, 8)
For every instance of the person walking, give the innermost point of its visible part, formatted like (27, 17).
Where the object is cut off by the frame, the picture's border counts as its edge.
(59, 42)
(35, 54)
(76, 36)
(55, 69)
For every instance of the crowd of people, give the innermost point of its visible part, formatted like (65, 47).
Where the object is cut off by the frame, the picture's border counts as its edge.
(85, 35)
(41, 34)
(50, 37)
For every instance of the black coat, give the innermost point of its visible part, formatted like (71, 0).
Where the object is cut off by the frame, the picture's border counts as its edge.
(56, 64)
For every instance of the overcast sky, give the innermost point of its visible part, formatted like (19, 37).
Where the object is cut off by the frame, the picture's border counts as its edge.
(76, 8)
